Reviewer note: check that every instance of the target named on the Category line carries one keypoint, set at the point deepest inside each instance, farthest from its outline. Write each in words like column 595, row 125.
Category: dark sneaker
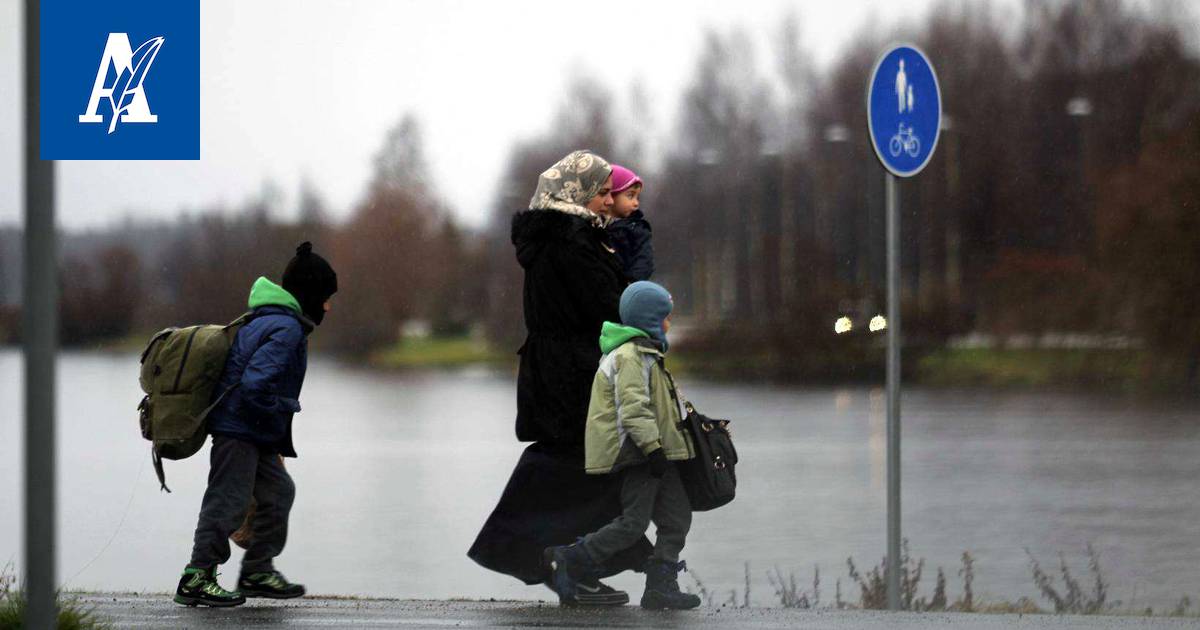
column 662, row 587
column 593, row 592
column 564, row 571
column 270, row 584
column 572, row 575
column 198, row 587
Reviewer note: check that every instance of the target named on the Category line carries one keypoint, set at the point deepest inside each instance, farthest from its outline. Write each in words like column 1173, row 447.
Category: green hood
column 267, row 293
column 613, row 335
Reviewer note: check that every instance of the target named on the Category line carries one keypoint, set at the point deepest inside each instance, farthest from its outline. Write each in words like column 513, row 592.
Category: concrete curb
column 158, row 611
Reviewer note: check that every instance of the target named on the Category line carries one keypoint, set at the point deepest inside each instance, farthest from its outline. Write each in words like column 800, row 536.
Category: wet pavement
column 158, row 611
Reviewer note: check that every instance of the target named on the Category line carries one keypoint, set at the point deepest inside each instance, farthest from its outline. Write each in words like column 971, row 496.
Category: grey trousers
column 239, row 471
column 645, row 499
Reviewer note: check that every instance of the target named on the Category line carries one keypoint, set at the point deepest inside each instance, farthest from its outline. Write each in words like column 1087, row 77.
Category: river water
column 397, row 471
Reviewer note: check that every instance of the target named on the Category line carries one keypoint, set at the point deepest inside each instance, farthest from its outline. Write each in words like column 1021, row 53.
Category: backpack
column 180, row 371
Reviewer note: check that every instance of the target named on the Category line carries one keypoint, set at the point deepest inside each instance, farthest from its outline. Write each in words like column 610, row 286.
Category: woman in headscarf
column 573, row 284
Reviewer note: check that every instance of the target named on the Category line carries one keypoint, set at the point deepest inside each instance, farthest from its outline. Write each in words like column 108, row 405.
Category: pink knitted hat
column 623, row 178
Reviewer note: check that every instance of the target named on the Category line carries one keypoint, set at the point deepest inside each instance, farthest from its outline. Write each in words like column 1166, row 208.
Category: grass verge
column 436, row 352
column 1120, row 370
column 71, row 614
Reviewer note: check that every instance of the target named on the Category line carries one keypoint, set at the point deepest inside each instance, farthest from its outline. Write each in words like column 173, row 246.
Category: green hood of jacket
column 267, row 293
column 613, row 335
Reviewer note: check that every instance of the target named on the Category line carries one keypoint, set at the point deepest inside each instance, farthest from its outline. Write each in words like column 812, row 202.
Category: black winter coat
column 573, row 284
column 631, row 237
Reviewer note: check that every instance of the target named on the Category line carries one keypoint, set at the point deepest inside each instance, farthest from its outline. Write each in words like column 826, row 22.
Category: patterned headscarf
column 570, row 184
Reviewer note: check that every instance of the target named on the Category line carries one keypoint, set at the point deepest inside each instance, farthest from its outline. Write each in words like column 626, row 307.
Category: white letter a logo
column 125, row 96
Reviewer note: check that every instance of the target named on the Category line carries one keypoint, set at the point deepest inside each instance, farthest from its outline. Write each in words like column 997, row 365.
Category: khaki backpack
column 180, row 370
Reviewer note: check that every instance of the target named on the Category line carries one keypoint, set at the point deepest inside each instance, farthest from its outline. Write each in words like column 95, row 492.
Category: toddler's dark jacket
column 632, row 239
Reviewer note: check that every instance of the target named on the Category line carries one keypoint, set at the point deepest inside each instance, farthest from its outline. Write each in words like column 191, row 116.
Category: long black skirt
column 550, row 500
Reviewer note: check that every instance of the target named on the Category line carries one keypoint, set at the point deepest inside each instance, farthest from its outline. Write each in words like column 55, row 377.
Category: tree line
column 1062, row 197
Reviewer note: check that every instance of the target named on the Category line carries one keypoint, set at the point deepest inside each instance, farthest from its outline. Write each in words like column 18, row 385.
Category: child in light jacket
column 632, row 431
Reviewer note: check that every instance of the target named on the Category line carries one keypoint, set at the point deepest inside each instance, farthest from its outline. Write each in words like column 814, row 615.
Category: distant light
column 837, row 132
column 947, row 122
column 770, row 149
column 877, row 324
column 1079, row 106
column 842, row 326
column 709, row 157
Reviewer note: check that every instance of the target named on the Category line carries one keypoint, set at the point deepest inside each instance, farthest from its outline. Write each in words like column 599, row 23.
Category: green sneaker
column 198, row 587
column 269, row 584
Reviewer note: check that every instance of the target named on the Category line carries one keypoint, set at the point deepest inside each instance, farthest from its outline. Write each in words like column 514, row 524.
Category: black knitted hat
column 311, row 280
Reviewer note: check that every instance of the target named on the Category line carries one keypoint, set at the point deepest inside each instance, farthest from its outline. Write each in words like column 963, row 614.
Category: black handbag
column 709, row 477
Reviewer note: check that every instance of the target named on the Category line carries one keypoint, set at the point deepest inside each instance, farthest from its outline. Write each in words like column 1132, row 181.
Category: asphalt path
column 158, row 611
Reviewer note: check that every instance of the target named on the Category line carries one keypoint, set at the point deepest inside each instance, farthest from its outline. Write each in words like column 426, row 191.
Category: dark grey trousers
column 238, row 472
column 645, row 499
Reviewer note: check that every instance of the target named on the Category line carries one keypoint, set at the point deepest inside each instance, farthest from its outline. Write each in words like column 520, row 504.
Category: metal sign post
column 893, row 392
column 39, row 332
column 904, row 111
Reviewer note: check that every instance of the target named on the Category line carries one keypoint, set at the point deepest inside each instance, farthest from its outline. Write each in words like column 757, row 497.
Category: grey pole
column 39, row 330
column 893, row 393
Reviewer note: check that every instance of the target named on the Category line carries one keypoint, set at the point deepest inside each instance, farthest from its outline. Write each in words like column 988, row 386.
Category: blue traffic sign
column 904, row 110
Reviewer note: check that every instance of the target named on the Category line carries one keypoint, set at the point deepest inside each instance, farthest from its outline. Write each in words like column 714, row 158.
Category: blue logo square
column 137, row 58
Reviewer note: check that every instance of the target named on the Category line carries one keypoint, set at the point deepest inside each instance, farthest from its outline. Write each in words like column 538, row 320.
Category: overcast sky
column 307, row 89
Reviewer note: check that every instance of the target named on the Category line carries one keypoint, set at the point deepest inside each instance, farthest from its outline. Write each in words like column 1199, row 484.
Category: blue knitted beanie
column 644, row 305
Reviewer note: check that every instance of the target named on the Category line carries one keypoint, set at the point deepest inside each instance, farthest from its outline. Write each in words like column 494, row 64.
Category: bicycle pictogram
column 904, row 140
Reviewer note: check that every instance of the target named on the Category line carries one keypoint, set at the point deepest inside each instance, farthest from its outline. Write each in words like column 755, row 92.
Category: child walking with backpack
column 251, row 426
column 629, row 231
column 633, row 431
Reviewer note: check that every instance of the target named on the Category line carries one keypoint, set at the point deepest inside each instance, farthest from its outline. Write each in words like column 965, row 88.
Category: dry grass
column 1072, row 600
column 7, row 577
column 790, row 595
column 71, row 614
column 1066, row 594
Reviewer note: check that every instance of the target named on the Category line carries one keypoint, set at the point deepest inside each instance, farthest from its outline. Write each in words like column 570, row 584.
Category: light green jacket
column 632, row 412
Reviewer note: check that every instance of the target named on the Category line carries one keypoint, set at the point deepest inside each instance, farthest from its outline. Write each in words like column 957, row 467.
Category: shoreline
column 1134, row 372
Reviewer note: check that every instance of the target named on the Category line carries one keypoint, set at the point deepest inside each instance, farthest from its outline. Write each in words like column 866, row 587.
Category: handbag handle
column 687, row 404
column 675, row 393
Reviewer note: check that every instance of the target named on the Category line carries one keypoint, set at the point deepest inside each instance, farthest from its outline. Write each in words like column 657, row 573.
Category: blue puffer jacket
column 265, row 369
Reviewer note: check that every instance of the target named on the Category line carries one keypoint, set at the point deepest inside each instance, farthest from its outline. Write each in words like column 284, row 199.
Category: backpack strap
column 158, row 470
column 243, row 319
column 208, row 409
